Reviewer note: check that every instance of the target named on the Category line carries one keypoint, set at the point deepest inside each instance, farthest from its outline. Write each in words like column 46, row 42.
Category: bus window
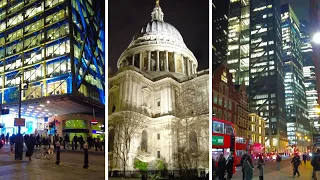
column 228, row 129
column 217, row 127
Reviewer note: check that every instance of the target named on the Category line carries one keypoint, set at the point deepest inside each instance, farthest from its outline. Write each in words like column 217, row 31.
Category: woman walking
column 260, row 167
column 248, row 168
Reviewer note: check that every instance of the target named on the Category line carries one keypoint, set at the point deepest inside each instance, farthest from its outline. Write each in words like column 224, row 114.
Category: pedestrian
column 243, row 159
column 260, row 167
column 315, row 162
column 12, row 141
column 37, row 140
column 30, row 146
column 81, row 142
column 221, row 166
column 7, row 138
column 89, row 140
column 248, row 168
column 278, row 159
column 296, row 162
column 304, row 157
column 230, row 162
column 66, row 141
column 75, row 140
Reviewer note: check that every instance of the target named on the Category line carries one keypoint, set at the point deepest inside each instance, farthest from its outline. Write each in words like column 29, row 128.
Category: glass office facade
column 51, row 44
column 296, row 102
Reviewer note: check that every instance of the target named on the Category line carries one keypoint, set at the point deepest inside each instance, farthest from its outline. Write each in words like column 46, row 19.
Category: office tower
column 220, row 12
column 296, row 103
column 309, row 73
column 55, row 49
column 254, row 57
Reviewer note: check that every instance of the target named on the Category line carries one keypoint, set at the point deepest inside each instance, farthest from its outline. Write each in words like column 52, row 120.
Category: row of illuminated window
column 222, row 101
column 19, row 18
column 51, row 51
column 34, row 74
column 36, row 40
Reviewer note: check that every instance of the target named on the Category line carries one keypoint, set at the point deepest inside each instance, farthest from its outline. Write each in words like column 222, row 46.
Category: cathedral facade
column 158, row 102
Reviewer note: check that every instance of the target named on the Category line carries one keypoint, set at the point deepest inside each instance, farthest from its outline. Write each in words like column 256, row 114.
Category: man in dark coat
column 230, row 162
column 243, row 159
column 30, row 146
column 75, row 140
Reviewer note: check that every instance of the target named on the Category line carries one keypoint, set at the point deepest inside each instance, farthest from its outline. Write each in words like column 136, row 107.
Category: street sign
column 94, row 122
column 217, row 140
column 19, row 122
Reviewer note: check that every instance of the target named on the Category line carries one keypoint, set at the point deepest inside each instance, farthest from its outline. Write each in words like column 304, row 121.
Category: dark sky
column 190, row 17
column 300, row 7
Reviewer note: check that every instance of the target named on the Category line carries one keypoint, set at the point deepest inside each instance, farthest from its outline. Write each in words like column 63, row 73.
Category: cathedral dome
column 159, row 46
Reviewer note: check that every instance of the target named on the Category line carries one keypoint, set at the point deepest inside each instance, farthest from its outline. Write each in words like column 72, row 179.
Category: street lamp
column 316, row 38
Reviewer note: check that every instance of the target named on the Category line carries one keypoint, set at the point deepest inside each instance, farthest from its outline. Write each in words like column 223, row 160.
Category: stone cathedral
column 154, row 70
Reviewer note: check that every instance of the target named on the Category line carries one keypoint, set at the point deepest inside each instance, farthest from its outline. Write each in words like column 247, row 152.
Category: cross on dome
column 157, row 14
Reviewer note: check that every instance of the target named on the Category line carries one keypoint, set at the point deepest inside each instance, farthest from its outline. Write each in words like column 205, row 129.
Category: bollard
column 86, row 159
column 58, row 152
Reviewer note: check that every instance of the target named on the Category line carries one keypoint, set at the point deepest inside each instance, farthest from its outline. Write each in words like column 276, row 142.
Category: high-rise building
column 220, row 12
column 296, row 102
column 254, row 57
column 309, row 73
column 57, row 48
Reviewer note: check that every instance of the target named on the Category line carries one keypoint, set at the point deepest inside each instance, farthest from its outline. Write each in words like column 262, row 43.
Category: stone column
column 141, row 61
column 167, row 61
column 149, row 60
column 183, row 68
column 158, row 60
column 192, row 68
column 187, row 70
column 133, row 60
column 175, row 63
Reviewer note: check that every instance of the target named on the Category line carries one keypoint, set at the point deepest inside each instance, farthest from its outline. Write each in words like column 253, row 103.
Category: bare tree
column 127, row 126
column 191, row 129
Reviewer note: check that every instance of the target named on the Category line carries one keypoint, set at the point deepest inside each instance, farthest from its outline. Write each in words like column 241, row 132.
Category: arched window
column 144, row 141
column 193, row 142
column 111, row 140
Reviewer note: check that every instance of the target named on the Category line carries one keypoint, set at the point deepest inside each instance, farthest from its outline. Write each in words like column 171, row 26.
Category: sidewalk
column 287, row 173
column 91, row 151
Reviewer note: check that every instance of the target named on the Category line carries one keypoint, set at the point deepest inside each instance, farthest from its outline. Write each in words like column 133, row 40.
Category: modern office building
column 220, row 12
column 309, row 73
column 254, row 57
column 55, row 48
column 296, row 102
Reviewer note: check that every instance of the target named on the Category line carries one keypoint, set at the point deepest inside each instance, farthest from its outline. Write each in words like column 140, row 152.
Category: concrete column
column 133, row 60
column 187, row 70
column 192, row 68
column 158, row 60
column 149, row 60
column 175, row 63
column 167, row 61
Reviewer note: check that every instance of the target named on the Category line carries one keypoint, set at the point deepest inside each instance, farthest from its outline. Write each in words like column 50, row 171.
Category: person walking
column 221, row 166
column 30, row 146
column 37, row 140
column 230, row 162
column 248, row 168
column 81, row 142
column 296, row 162
column 304, row 157
column 315, row 162
column 243, row 159
column 89, row 140
column 260, row 166
column 278, row 160
column 66, row 141
column 75, row 140
column 7, row 138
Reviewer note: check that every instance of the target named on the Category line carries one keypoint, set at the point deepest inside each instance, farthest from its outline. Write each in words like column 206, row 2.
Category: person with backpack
column 315, row 162
column 278, row 159
column 304, row 157
column 296, row 162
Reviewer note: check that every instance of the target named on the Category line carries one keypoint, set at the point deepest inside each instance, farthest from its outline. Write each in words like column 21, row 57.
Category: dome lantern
column 157, row 14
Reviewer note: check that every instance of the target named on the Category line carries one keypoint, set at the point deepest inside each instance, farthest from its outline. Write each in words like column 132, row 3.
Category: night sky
column 190, row 17
column 300, row 7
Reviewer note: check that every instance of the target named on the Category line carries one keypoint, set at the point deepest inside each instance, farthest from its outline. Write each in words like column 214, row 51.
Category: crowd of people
column 50, row 142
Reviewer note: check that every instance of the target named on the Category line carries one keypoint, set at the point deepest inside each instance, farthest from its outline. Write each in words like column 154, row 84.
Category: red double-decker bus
column 222, row 133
